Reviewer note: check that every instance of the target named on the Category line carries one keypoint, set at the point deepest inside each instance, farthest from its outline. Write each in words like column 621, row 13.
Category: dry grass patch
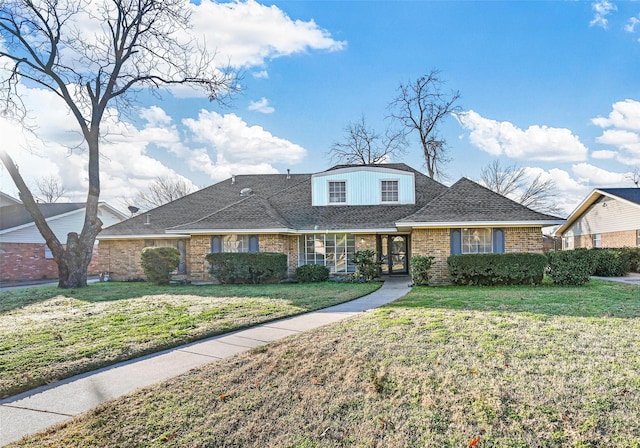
column 64, row 333
column 407, row 375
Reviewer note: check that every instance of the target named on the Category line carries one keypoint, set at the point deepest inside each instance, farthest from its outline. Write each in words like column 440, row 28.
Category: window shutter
column 253, row 243
column 456, row 241
column 498, row 241
column 216, row 245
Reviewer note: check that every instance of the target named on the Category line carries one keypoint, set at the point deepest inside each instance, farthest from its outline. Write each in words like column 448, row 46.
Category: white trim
column 158, row 236
column 228, row 231
column 397, row 201
column 457, row 224
column 351, row 169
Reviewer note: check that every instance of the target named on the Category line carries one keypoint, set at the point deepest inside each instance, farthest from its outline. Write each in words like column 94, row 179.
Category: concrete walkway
column 632, row 278
column 36, row 410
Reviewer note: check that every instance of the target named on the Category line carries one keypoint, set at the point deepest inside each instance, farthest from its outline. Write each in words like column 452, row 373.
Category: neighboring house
column 608, row 217
column 323, row 218
column 6, row 200
column 23, row 252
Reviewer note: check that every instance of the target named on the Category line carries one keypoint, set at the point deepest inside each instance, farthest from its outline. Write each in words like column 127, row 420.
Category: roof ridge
column 211, row 214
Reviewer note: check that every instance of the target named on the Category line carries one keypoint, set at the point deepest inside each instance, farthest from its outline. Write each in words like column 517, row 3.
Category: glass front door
column 393, row 254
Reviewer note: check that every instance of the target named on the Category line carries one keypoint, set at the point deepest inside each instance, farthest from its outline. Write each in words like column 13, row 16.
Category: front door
column 393, row 254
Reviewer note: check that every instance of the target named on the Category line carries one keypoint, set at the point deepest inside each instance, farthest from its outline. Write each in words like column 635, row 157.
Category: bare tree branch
column 160, row 192
column 421, row 107
column 635, row 177
column 50, row 189
column 365, row 146
column 512, row 181
column 96, row 55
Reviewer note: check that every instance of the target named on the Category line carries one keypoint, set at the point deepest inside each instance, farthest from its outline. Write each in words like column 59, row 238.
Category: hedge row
column 497, row 269
column 248, row 267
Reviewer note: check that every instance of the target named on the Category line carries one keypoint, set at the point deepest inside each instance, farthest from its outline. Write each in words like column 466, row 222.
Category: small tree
column 367, row 267
column 421, row 107
column 159, row 262
column 364, row 146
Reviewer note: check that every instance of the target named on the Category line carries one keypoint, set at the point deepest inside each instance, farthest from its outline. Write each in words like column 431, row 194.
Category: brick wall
column 627, row 238
column 283, row 244
column 27, row 261
column 121, row 258
column 523, row 239
column 435, row 243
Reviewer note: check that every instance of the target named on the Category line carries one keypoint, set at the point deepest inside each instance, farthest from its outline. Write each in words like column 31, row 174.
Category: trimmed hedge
column 611, row 262
column 367, row 268
column 159, row 262
column 420, row 267
column 248, row 267
column 571, row 267
column 497, row 269
column 312, row 273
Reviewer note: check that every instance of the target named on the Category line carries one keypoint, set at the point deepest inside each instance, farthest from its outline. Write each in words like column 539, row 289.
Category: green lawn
column 47, row 334
column 442, row 367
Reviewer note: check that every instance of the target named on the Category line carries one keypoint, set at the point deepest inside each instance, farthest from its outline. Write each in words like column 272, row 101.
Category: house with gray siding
column 607, row 217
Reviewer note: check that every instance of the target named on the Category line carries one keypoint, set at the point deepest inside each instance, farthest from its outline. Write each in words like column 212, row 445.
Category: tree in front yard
column 95, row 56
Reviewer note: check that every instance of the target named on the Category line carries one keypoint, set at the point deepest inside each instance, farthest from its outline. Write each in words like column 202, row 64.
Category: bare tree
column 161, row 191
column 420, row 107
column 365, row 146
column 132, row 44
column 512, row 181
column 634, row 177
column 49, row 189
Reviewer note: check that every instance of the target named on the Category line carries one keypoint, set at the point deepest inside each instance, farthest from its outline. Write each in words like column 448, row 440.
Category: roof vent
column 246, row 192
column 148, row 221
column 233, row 179
column 288, row 173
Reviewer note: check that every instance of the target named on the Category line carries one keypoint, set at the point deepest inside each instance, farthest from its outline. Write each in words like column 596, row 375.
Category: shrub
column 367, row 267
column 571, row 267
column 633, row 254
column 497, row 269
column 420, row 267
column 311, row 273
column 159, row 262
column 248, row 267
column 611, row 262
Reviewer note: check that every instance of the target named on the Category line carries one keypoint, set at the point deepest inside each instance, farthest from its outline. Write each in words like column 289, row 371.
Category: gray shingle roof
column 467, row 201
column 630, row 194
column 17, row 215
column 280, row 201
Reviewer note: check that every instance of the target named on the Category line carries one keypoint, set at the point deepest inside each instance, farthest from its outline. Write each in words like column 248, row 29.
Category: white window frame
column 333, row 250
column 596, row 240
column 567, row 243
column 382, row 191
column 476, row 238
column 329, row 201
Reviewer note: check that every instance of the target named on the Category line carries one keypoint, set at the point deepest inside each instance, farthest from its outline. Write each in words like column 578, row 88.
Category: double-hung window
column 477, row 241
column 337, row 192
column 597, row 240
column 234, row 243
column 389, row 191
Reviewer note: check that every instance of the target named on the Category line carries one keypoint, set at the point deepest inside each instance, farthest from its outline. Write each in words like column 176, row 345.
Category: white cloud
column 631, row 24
column 602, row 9
column 262, row 74
column 262, row 106
column 596, row 177
column 535, row 143
column 604, row 154
column 624, row 115
column 247, row 33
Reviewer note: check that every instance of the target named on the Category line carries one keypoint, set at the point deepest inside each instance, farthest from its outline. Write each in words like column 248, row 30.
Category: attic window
column 337, row 192
column 389, row 190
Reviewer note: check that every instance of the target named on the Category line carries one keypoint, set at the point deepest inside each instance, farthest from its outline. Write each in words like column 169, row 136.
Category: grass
column 443, row 367
column 47, row 334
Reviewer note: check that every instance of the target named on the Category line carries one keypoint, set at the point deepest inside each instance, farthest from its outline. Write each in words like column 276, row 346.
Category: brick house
column 607, row 217
column 322, row 218
column 23, row 252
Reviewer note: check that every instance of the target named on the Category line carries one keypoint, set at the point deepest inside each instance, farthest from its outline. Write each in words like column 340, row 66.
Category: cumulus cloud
column 247, row 33
column 596, row 177
column 262, row 106
column 602, row 9
column 604, row 154
column 262, row 74
column 631, row 24
column 622, row 130
column 534, row 143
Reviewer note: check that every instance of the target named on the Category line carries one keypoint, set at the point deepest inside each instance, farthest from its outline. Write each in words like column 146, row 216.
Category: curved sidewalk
column 36, row 410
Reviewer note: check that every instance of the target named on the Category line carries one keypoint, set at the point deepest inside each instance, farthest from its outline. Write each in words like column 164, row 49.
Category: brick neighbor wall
column 27, row 261
column 626, row 238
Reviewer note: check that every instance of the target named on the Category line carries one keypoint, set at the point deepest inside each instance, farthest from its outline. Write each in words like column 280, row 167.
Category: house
column 608, row 217
column 323, row 218
column 23, row 252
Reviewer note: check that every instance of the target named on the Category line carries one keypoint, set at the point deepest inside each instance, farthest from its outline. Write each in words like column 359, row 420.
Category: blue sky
column 550, row 86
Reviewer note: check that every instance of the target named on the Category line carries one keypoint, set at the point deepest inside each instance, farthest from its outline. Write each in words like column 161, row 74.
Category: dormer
column 363, row 185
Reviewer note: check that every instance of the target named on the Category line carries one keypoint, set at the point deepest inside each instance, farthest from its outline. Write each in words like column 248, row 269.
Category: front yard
column 443, row 367
column 47, row 334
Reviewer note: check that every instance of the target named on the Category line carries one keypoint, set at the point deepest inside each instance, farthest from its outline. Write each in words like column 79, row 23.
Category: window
column 234, row 243
column 597, row 240
column 47, row 253
column 567, row 243
column 389, row 190
column 331, row 250
column 477, row 241
column 337, row 192
column 638, row 237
